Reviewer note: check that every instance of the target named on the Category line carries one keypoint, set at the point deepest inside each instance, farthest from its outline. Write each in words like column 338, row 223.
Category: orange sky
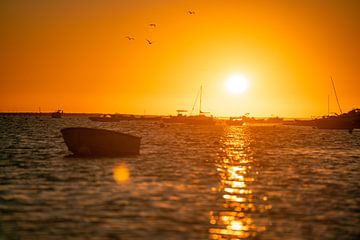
column 74, row 55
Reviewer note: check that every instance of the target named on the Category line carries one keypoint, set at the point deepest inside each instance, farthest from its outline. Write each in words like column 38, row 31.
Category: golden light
column 121, row 173
column 236, row 84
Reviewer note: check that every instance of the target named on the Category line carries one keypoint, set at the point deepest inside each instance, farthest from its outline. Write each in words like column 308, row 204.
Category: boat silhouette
column 57, row 114
column 349, row 120
column 235, row 121
column 201, row 119
column 104, row 118
column 83, row 141
column 123, row 117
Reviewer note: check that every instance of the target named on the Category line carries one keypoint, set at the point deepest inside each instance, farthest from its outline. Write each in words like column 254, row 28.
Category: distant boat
column 235, row 121
column 274, row 120
column 349, row 121
column 193, row 120
column 123, row 117
column 201, row 119
column 57, row 114
column 300, row 122
column 104, row 118
column 100, row 142
column 132, row 117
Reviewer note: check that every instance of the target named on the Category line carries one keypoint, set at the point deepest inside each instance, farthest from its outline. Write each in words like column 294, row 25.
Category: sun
column 236, row 84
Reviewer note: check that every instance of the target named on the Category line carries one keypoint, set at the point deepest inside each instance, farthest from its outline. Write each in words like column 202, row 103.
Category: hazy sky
column 73, row 55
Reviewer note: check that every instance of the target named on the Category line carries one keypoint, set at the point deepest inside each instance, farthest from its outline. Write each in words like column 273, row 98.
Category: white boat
column 235, row 121
column 83, row 141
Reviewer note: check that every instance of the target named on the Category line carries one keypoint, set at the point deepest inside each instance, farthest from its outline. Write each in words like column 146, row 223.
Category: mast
column 328, row 104
column 199, row 94
column 200, row 99
column 337, row 100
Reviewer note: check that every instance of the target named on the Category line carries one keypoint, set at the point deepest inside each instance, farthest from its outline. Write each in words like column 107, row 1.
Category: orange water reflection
column 240, row 205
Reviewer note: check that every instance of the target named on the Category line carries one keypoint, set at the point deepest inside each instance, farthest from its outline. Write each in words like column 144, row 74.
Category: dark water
column 189, row 182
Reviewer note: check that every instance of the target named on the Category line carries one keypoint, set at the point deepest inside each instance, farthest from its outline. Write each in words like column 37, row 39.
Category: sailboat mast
column 337, row 100
column 200, row 99
column 328, row 105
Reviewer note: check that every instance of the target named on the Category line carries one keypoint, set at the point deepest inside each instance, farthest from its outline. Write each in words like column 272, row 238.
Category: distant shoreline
column 69, row 114
column 47, row 114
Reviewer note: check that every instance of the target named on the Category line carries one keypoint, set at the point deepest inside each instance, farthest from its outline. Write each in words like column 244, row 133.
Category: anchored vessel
column 104, row 118
column 57, row 114
column 100, row 142
column 200, row 119
column 235, row 121
column 349, row 120
column 122, row 117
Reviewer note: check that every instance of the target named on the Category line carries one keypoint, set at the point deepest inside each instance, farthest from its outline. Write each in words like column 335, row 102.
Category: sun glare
column 236, row 84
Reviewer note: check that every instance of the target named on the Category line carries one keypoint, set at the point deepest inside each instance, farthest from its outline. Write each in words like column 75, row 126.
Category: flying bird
column 130, row 38
column 191, row 12
column 149, row 42
column 152, row 25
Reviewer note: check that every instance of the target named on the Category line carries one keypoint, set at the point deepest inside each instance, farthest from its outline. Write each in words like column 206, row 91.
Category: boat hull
column 99, row 142
column 234, row 123
column 56, row 115
column 104, row 119
column 191, row 120
column 335, row 124
column 349, row 120
column 123, row 118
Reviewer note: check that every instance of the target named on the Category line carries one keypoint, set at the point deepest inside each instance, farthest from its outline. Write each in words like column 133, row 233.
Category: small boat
column 57, row 114
column 200, row 119
column 235, row 121
column 123, row 117
column 300, row 122
column 132, row 117
column 100, row 142
column 105, row 118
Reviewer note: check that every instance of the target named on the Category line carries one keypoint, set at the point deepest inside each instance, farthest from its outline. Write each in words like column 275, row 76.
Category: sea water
column 189, row 182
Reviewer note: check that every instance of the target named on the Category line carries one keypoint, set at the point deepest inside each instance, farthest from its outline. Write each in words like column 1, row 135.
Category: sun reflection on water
column 240, row 204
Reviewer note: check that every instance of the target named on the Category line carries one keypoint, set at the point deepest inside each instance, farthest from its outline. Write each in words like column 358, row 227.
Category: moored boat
column 104, row 118
column 123, row 117
column 83, row 141
column 201, row 119
column 57, row 114
column 235, row 121
column 349, row 121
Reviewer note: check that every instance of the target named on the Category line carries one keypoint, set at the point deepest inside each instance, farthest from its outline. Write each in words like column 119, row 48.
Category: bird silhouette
column 191, row 12
column 130, row 38
column 152, row 25
column 149, row 42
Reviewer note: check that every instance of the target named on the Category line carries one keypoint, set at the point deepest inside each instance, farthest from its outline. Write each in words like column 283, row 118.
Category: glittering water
column 189, row 182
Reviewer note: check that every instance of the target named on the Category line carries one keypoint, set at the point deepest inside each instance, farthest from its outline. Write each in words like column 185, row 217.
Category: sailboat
column 201, row 119
column 349, row 120
column 57, row 114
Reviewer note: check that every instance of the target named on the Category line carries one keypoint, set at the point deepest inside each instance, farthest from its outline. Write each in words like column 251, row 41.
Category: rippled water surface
column 189, row 182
